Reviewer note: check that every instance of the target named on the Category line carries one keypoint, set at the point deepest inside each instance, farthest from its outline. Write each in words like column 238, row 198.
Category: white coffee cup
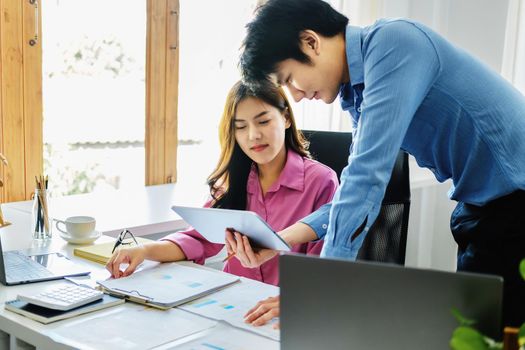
column 77, row 226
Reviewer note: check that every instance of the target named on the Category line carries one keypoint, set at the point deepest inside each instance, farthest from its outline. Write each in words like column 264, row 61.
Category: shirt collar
column 354, row 60
column 292, row 175
column 354, row 54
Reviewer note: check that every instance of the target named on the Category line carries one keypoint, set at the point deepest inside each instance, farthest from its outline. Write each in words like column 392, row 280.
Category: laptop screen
column 336, row 304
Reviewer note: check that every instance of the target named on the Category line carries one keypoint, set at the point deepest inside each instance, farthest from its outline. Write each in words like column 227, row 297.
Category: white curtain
column 513, row 68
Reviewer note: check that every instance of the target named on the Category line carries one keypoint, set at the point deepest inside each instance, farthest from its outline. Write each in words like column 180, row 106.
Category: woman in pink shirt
column 264, row 167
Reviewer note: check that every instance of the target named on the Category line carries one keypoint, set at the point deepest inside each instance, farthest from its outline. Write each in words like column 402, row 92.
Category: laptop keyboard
column 20, row 267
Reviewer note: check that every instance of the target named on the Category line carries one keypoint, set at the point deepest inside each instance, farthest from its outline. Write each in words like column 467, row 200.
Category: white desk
column 144, row 210
column 19, row 331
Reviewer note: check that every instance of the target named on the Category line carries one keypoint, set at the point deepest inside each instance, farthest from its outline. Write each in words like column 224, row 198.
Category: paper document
column 225, row 337
column 232, row 303
column 168, row 285
column 130, row 327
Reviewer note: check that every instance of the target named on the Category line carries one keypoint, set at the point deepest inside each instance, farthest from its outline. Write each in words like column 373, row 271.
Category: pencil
column 231, row 230
column 228, row 257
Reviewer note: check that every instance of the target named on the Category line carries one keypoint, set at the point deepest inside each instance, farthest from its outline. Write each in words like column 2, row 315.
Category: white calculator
column 63, row 298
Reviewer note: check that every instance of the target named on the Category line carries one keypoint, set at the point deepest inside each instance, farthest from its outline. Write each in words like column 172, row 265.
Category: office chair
column 387, row 238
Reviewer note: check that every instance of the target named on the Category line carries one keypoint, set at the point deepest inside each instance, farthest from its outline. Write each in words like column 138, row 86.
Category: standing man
column 408, row 88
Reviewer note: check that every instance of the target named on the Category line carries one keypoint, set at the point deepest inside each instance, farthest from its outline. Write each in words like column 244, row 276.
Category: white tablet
column 212, row 224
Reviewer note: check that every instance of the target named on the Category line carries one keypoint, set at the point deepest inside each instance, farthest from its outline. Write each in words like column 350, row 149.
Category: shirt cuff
column 191, row 247
column 338, row 251
column 318, row 220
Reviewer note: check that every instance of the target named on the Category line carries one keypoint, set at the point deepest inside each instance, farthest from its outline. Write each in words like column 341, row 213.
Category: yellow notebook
column 101, row 253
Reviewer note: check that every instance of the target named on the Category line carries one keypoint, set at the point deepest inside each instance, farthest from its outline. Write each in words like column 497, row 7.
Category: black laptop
column 18, row 268
column 337, row 304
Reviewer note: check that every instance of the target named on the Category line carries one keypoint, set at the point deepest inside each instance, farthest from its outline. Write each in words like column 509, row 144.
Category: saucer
column 82, row 240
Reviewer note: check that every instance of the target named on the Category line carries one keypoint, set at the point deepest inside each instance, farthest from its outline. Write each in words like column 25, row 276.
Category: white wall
column 476, row 25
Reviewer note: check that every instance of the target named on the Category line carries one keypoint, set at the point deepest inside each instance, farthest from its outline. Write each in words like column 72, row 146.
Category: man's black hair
column 274, row 34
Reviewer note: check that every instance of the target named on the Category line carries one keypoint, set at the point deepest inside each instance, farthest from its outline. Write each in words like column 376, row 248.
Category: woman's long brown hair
column 229, row 179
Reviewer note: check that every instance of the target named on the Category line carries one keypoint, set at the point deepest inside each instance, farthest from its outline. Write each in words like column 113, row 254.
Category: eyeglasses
column 121, row 237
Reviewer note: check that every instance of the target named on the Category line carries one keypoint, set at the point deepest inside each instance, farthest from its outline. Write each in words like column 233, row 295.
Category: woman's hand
column 132, row 256
column 238, row 244
column 264, row 312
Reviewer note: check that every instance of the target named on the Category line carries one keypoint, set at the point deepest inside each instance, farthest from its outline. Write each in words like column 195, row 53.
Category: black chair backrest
column 386, row 239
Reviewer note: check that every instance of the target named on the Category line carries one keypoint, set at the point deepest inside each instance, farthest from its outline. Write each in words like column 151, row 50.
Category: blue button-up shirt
column 411, row 89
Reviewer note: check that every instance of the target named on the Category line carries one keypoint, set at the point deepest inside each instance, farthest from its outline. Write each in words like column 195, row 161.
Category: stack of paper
column 101, row 253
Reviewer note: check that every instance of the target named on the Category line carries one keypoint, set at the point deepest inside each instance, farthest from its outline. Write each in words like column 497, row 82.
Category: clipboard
column 213, row 222
column 167, row 285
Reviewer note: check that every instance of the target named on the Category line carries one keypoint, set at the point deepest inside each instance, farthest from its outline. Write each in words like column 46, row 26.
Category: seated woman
column 264, row 167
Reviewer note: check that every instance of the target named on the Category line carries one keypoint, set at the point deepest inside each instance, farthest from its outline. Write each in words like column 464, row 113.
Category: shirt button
column 366, row 229
column 359, row 109
column 325, row 226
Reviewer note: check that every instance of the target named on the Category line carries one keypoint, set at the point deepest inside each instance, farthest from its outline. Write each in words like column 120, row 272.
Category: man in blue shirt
column 408, row 88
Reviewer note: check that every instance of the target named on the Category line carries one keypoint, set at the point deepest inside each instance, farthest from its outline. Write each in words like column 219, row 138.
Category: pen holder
column 41, row 221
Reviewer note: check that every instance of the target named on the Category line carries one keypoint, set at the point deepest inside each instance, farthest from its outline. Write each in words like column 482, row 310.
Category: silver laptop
column 18, row 268
column 336, row 304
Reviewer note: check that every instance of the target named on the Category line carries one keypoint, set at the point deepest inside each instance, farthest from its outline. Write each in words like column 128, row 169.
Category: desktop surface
column 143, row 327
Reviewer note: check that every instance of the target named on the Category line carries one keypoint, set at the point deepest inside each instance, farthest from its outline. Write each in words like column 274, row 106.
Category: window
column 209, row 42
column 94, row 94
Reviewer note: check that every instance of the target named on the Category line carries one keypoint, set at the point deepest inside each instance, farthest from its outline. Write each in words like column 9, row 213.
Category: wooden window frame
column 20, row 98
column 21, row 116
column 162, row 82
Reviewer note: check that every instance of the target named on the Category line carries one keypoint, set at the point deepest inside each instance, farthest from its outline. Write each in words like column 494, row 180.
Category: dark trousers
column 491, row 240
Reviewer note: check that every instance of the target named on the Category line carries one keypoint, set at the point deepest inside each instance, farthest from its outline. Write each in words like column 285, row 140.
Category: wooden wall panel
column 33, row 118
column 21, row 98
column 155, row 91
column 2, row 196
column 12, row 99
column 172, row 91
column 161, row 90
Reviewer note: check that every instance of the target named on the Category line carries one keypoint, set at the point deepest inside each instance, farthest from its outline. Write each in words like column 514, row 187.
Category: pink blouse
column 303, row 186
